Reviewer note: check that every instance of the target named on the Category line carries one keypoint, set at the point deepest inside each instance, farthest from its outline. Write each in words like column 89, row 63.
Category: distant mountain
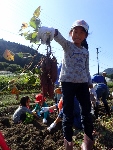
column 108, row 71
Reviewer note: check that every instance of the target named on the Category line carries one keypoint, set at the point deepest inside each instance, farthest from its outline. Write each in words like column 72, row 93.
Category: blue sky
column 61, row 14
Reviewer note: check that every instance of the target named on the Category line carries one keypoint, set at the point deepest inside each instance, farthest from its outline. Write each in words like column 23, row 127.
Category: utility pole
column 98, row 59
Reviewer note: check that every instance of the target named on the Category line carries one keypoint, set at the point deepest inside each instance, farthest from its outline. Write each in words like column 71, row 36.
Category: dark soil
column 35, row 136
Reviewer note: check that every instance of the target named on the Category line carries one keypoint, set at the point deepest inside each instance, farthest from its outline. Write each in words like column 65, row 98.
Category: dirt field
column 30, row 136
column 36, row 137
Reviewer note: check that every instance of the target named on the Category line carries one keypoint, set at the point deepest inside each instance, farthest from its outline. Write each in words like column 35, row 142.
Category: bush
column 110, row 84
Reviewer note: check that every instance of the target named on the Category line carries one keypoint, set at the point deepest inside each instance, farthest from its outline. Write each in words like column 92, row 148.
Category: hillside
column 22, row 54
column 109, row 71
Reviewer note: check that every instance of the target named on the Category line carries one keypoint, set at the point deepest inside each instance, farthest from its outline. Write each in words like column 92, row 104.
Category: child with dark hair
column 75, row 79
column 21, row 112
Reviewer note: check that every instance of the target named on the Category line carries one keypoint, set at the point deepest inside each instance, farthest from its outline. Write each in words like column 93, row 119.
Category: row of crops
column 25, row 82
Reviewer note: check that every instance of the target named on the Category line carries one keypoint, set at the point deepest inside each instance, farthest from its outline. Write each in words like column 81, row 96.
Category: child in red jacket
column 40, row 102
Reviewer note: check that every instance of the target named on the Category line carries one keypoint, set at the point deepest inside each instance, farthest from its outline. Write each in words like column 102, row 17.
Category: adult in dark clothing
column 102, row 92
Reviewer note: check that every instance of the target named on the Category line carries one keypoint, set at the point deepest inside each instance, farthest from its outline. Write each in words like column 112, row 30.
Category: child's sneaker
column 44, row 121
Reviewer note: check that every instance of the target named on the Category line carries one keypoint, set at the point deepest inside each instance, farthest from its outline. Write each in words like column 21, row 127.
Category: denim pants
column 81, row 91
column 102, row 93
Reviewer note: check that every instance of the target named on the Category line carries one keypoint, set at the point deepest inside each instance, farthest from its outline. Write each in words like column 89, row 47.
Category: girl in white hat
column 75, row 78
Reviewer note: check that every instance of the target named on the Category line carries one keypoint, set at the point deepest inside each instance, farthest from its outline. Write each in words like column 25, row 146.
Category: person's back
column 19, row 111
column 102, row 93
column 22, row 109
column 101, row 90
column 98, row 79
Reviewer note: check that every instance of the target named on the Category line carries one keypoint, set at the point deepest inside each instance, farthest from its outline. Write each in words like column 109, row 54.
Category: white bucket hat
column 81, row 23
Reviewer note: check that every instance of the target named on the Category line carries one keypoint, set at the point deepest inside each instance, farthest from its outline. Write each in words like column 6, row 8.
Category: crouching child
column 23, row 113
column 40, row 102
